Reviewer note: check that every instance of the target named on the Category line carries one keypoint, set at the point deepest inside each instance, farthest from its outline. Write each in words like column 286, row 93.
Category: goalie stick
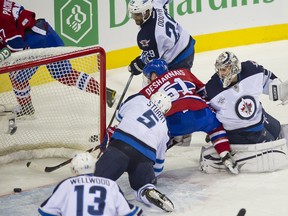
column 49, row 169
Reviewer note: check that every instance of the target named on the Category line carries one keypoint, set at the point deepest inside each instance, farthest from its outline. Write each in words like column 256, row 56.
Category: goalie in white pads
column 86, row 194
column 7, row 119
column 139, row 142
column 251, row 158
column 234, row 92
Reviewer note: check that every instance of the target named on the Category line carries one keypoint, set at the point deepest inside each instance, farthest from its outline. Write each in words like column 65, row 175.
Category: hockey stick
column 53, row 168
column 118, row 105
column 121, row 99
column 48, row 169
column 94, row 138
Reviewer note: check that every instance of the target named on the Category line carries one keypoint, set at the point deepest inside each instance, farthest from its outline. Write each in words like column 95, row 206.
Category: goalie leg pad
column 251, row 158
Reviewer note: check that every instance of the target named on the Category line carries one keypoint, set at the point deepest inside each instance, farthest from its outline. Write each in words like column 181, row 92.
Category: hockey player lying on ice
column 139, row 142
column 258, row 141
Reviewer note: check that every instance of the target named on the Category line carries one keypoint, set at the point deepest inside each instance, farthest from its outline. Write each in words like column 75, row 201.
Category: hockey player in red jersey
column 189, row 112
column 20, row 30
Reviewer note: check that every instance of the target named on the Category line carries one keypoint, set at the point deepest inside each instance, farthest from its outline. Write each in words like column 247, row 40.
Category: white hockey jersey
column 239, row 106
column 87, row 195
column 143, row 126
column 162, row 37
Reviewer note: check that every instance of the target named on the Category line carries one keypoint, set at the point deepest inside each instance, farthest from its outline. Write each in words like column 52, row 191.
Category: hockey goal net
column 58, row 96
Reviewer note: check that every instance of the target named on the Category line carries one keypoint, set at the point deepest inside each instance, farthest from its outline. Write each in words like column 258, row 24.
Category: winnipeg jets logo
column 221, row 100
column 145, row 43
column 245, row 107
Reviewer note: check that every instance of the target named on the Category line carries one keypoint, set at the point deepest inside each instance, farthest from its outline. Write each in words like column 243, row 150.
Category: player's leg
column 112, row 163
column 272, row 125
column 63, row 71
column 22, row 88
column 141, row 176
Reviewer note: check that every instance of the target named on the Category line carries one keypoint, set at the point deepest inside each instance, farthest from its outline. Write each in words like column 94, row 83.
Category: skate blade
column 161, row 201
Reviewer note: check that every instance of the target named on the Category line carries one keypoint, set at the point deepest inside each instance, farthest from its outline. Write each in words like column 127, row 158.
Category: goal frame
column 60, row 57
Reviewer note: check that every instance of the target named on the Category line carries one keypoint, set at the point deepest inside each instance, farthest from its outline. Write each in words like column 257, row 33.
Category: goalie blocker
column 278, row 91
column 251, row 158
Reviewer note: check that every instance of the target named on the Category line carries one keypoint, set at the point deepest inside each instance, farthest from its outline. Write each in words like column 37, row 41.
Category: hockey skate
column 110, row 93
column 158, row 199
column 26, row 111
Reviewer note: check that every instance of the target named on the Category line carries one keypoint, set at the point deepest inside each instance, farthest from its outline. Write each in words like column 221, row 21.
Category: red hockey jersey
column 182, row 86
column 14, row 20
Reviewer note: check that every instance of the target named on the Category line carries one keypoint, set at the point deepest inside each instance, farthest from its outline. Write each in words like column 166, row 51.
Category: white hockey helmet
column 224, row 61
column 82, row 163
column 140, row 6
column 162, row 101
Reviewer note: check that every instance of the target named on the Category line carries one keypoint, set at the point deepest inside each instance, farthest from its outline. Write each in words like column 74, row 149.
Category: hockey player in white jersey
column 86, row 194
column 139, row 142
column 234, row 92
column 160, row 36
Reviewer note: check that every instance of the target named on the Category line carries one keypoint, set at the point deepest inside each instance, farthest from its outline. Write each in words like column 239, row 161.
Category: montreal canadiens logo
column 245, row 107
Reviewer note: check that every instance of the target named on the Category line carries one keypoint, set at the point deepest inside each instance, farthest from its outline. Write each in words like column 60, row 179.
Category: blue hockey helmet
column 158, row 66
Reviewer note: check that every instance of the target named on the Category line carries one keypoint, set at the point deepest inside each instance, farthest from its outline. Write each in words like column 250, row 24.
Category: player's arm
column 25, row 20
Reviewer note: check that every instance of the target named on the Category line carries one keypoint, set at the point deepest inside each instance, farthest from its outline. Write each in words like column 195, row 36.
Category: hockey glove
column 229, row 162
column 278, row 91
column 136, row 66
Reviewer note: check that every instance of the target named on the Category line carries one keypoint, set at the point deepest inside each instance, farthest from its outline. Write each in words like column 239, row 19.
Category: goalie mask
column 227, row 67
column 82, row 163
column 138, row 10
column 162, row 101
column 157, row 66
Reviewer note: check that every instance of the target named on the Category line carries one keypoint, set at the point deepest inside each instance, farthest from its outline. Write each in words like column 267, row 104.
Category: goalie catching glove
column 229, row 162
column 136, row 66
column 278, row 91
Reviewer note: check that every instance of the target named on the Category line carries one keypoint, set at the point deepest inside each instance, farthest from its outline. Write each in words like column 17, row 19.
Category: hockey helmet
column 227, row 61
column 162, row 101
column 140, row 7
column 82, row 163
column 158, row 66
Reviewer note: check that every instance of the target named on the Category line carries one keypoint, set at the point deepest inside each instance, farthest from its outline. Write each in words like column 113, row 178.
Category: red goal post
column 67, row 88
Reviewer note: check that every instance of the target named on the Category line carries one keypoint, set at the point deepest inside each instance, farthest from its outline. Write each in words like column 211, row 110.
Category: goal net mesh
column 59, row 100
